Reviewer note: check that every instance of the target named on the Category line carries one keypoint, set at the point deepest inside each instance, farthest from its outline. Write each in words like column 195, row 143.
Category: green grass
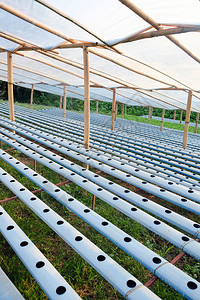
column 35, row 106
column 158, row 122
column 80, row 275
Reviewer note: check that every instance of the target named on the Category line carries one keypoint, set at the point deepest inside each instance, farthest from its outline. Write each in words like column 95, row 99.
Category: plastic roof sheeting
column 109, row 22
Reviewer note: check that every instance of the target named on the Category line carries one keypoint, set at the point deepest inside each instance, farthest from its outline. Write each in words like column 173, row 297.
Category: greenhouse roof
column 47, row 38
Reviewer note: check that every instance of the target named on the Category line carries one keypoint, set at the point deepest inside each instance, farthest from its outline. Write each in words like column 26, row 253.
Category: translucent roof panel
column 144, row 65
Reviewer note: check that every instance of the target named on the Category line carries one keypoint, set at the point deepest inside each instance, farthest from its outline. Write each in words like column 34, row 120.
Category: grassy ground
column 158, row 122
column 35, row 106
column 83, row 278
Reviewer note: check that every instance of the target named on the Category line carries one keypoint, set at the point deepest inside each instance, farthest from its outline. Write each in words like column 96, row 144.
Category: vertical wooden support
column 31, row 100
column 187, row 119
column 163, row 114
column 125, row 109
column 181, row 116
column 35, row 165
column 116, row 110
column 97, row 106
column 64, row 101
column 113, row 109
column 86, row 98
column 174, row 114
column 196, row 125
column 93, row 202
column 122, row 110
column 60, row 102
column 10, row 86
column 150, row 114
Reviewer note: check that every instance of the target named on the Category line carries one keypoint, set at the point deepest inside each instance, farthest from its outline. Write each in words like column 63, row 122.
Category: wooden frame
column 86, row 98
column 187, row 119
column 113, row 109
column 10, row 86
column 31, row 100
column 64, row 100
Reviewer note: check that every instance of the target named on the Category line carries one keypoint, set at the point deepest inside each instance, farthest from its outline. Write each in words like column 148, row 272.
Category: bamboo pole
column 10, row 86
column 152, row 22
column 31, row 101
column 196, row 125
column 122, row 110
column 97, row 106
column 116, row 110
column 60, row 102
column 113, row 109
column 150, row 114
column 86, row 98
column 162, row 121
column 174, row 114
column 160, row 32
column 64, row 101
column 187, row 119
column 181, row 116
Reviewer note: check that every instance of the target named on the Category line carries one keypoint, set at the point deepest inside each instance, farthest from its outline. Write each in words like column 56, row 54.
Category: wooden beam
column 162, row 121
column 181, row 116
column 174, row 114
column 150, row 114
column 187, row 119
column 125, row 109
column 116, row 110
column 60, row 102
column 86, row 98
column 196, row 125
column 31, row 100
column 97, row 106
column 64, row 101
column 160, row 32
column 10, row 86
column 122, row 110
column 113, row 109
column 153, row 23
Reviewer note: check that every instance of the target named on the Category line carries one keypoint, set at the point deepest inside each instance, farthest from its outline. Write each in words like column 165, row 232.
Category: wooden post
column 122, row 110
column 116, row 109
column 181, row 116
column 86, row 98
column 150, row 114
column 60, row 102
column 64, row 101
column 10, row 86
column 187, row 119
column 97, row 106
column 174, row 114
column 113, row 109
column 163, row 114
column 31, row 100
column 125, row 109
column 196, row 125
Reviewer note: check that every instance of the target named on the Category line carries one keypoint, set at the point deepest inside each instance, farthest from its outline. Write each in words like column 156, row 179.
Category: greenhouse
column 99, row 189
